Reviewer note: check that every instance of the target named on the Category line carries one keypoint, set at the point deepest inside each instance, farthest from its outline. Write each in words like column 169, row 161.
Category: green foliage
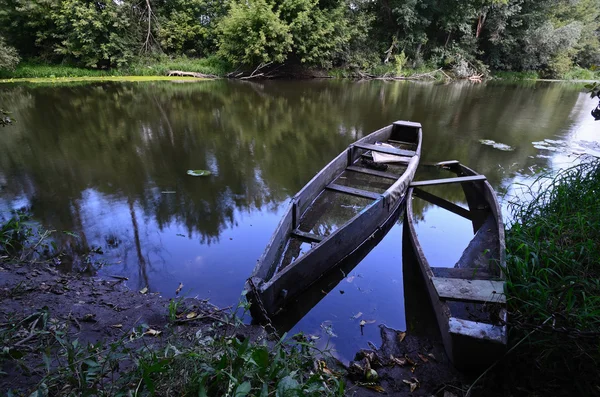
column 189, row 26
column 253, row 33
column 553, row 277
column 318, row 35
column 399, row 62
column 469, row 36
column 93, row 35
column 14, row 232
column 139, row 67
column 9, row 58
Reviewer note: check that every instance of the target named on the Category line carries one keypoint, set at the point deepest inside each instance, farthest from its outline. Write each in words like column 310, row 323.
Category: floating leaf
column 328, row 328
column 191, row 315
column 178, row 290
column 401, row 336
column 199, row 172
column 152, row 332
column 357, row 315
column 144, row 290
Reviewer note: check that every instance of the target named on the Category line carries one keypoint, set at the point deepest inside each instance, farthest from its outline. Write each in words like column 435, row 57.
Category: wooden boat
column 340, row 208
column 468, row 299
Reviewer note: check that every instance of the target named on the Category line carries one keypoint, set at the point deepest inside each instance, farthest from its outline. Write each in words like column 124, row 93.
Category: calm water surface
column 109, row 162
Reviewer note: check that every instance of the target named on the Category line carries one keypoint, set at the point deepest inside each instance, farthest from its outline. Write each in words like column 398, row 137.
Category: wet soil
column 93, row 309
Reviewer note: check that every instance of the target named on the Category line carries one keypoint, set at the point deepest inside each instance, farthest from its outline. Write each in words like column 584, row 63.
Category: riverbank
column 147, row 70
column 73, row 334
column 553, row 287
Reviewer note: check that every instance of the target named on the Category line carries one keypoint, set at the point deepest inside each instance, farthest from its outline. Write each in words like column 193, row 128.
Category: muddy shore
column 93, row 309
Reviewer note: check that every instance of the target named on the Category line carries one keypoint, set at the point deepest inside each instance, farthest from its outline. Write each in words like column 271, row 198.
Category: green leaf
column 243, row 389
column 261, row 358
column 41, row 391
column 199, row 172
column 287, row 386
column 265, row 390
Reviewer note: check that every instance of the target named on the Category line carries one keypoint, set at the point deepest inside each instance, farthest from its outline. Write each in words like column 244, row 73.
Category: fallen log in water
column 191, row 74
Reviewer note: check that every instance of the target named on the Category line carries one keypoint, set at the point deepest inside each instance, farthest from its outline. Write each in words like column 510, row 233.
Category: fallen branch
column 191, row 74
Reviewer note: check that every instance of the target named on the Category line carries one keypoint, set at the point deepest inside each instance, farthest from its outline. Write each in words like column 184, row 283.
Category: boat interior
column 348, row 193
column 477, row 272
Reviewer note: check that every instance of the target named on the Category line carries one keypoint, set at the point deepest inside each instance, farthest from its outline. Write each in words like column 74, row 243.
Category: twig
column 119, row 277
column 187, row 320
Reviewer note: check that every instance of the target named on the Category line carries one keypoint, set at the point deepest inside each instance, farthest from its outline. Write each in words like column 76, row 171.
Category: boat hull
column 269, row 288
column 470, row 345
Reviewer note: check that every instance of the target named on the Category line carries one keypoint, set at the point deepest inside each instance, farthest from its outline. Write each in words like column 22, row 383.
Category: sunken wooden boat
column 346, row 203
column 468, row 299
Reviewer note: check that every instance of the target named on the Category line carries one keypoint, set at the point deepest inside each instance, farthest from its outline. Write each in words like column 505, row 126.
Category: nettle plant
column 594, row 90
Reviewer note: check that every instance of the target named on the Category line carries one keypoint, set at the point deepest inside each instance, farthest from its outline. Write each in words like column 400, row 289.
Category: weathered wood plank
column 475, row 330
column 382, row 174
column 309, row 193
column 440, row 202
column 384, row 149
column 353, row 191
column 402, row 142
column 441, row 163
column 464, row 273
column 469, row 290
column 307, row 236
column 405, row 123
column 445, row 181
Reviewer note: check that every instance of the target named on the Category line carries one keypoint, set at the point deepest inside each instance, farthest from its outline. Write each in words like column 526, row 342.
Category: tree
column 253, row 33
column 95, row 34
column 9, row 58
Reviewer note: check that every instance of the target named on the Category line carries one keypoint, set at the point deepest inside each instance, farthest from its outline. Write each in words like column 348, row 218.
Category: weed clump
column 553, row 281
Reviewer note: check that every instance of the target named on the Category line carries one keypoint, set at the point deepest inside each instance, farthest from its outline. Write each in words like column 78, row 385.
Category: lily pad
column 199, row 172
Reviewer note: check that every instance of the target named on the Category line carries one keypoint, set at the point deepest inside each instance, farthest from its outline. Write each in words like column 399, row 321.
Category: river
column 108, row 161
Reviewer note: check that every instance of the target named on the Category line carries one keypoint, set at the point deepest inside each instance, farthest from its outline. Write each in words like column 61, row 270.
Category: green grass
column 578, row 73
column 141, row 67
column 515, row 76
column 62, row 80
column 553, row 285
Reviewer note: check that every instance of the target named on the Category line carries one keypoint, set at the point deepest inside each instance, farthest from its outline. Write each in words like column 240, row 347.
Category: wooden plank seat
column 469, row 290
column 477, row 330
column 445, row 181
column 464, row 273
column 445, row 204
column 313, row 238
column 385, row 149
column 353, row 191
column 382, row 174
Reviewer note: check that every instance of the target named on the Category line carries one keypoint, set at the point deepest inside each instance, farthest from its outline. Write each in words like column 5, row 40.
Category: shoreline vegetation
column 214, row 68
column 552, row 271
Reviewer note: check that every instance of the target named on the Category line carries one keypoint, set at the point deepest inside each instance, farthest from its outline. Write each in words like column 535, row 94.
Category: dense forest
column 464, row 36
